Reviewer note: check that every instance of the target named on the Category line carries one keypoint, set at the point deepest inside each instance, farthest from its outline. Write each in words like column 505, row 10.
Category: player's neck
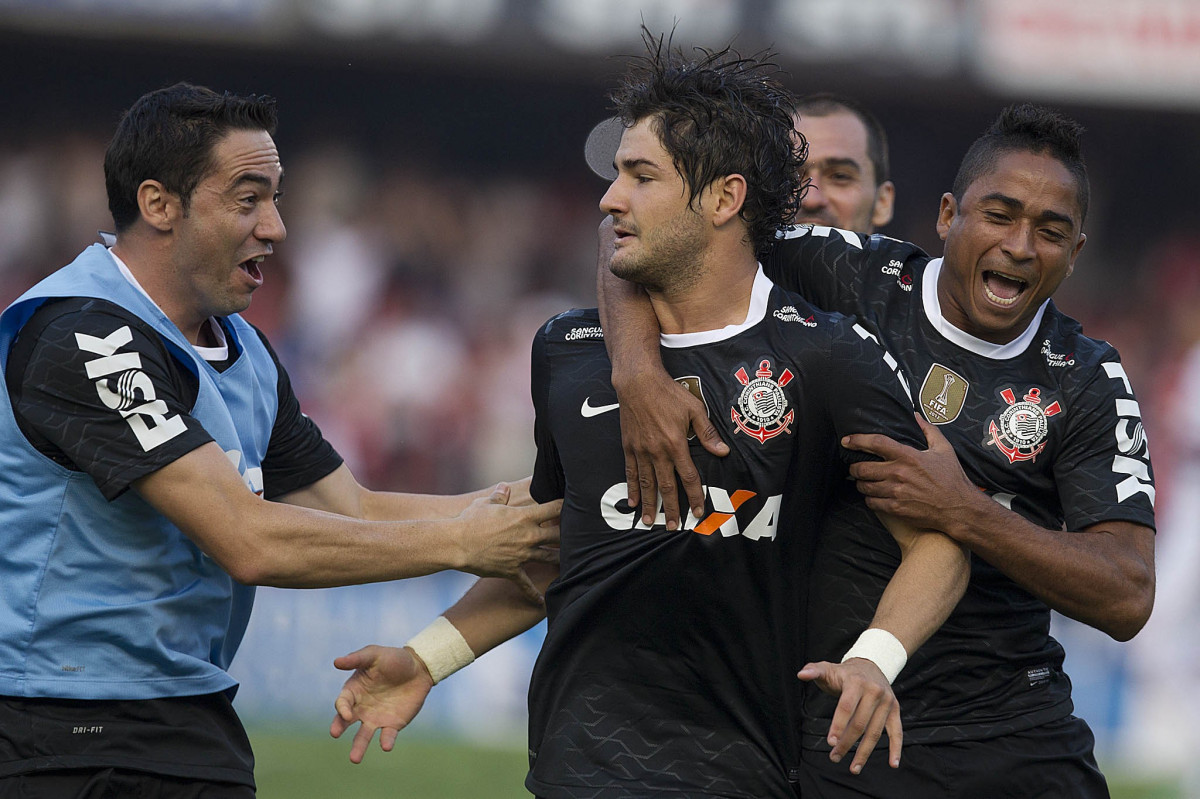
column 721, row 297
column 145, row 265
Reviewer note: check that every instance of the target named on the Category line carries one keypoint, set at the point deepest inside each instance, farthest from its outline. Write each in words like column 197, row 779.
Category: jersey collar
column 933, row 312
column 759, row 295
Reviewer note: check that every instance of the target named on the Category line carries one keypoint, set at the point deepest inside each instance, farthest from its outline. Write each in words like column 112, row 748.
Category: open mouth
column 1003, row 290
column 251, row 267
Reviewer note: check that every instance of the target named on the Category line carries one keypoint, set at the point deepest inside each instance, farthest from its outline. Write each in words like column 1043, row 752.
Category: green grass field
column 311, row 766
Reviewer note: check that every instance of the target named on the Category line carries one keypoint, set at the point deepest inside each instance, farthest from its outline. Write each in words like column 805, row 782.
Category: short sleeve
column 548, row 482
column 1103, row 470
column 96, row 384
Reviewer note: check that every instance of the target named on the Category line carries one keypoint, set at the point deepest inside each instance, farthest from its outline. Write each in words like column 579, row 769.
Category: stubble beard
column 670, row 260
column 225, row 299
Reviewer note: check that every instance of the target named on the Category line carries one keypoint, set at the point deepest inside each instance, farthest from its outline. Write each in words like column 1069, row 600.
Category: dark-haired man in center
column 847, row 186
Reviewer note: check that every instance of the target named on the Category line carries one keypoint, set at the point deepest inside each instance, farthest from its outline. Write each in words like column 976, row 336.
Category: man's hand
column 657, row 415
column 385, row 692
column 866, row 709
column 927, row 488
column 499, row 538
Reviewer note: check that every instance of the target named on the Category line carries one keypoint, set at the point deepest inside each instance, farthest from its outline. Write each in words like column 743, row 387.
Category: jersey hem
column 43, row 688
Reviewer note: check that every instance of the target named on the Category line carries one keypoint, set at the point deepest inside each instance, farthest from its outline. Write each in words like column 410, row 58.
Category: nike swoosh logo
column 588, row 410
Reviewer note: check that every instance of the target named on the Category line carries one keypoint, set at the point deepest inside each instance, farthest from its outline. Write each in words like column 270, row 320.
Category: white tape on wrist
column 442, row 648
column 881, row 648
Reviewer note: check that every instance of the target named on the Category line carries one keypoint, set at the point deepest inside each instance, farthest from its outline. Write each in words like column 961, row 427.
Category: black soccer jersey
column 670, row 659
column 1047, row 424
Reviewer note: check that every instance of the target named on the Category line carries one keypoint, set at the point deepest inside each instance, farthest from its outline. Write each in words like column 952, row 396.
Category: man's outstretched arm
column 295, row 545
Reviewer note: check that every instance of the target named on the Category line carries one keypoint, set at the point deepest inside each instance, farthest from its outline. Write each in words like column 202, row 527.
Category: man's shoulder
column 1062, row 342
column 875, row 244
column 796, row 316
column 66, row 319
column 81, row 310
column 575, row 325
column 790, row 310
column 845, row 269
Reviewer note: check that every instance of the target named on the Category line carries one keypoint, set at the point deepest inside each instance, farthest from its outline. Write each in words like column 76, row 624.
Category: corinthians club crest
column 763, row 404
column 1020, row 432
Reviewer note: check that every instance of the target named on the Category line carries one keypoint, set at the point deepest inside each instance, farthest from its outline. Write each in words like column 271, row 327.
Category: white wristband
column 881, row 648
column 442, row 648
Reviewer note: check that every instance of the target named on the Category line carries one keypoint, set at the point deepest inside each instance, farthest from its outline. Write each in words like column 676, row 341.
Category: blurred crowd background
column 439, row 210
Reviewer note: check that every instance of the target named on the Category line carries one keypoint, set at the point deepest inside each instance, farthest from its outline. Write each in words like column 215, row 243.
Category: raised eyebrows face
column 659, row 235
column 1010, row 243
column 231, row 225
column 843, row 192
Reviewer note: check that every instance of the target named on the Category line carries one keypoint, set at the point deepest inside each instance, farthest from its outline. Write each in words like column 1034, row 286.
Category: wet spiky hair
column 721, row 114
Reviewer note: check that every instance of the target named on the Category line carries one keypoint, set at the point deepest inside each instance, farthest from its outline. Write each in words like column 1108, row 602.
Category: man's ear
column 885, row 204
column 159, row 207
column 946, row 213
column 728, row 197
column 1075, row 253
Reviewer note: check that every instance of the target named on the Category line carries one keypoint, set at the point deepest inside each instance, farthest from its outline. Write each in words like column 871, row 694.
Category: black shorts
column 194, row 738
column 1051, row 761
column 113, row 783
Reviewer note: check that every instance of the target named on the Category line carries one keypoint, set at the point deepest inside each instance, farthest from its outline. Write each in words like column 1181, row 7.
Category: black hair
column 169, row 135
column 1027, row 128
column 721, row 114
column 827, row 103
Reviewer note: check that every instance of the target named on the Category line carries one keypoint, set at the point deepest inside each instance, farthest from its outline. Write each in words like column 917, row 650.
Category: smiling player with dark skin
column 1010, row 242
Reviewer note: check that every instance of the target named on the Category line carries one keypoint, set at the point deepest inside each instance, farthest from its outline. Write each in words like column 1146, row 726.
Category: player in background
column 669, row 662
column 155, row 466
column 847, row 170
column 1037, row 462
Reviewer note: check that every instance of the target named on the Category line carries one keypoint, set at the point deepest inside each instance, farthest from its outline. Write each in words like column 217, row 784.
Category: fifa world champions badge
column 1020, row 432
column 943, row 394
column 763, row 404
